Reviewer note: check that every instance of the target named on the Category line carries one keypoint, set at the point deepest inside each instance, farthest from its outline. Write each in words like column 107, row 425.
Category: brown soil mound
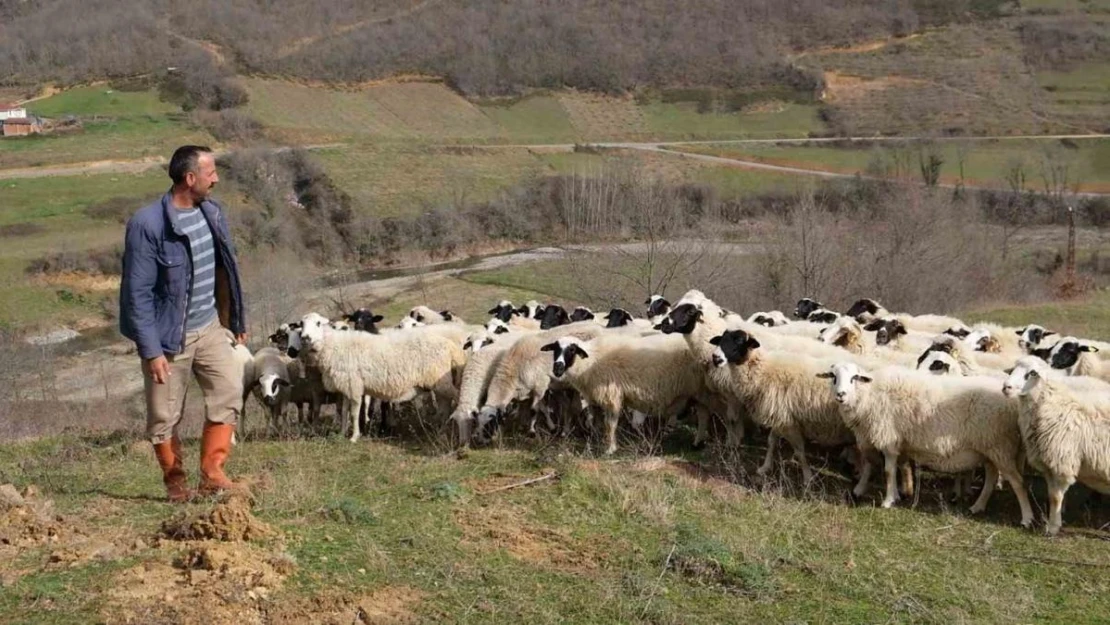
column 392, row 605
column 230, row 520
column 26, row 521
column 503, row 526
column 209, row 583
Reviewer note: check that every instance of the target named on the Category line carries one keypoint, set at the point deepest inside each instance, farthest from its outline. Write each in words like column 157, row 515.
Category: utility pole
column 1069, row 285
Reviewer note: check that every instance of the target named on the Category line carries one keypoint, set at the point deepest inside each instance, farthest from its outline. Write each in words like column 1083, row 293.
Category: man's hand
column 241, row 338
column 159, row 369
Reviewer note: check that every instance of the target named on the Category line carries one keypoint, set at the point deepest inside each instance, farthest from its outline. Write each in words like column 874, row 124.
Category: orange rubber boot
column 215, row 445
column 169, row 458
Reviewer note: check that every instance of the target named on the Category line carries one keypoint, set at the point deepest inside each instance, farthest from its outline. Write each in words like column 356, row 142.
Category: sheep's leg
column 638, row 419
column 702, row 434
column 1057, row 488
column 1013, row 476
column 890, row 468
column 611, row 417
column 866, row 467
column 353, row 411
column 798, row 443
column 906, row 469
column 734, row 425
column 769, row 459
column 445, row 395
column 988, row 488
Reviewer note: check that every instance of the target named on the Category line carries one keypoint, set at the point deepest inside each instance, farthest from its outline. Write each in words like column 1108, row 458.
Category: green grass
column 41, row 200
column 986, row 162
column 101, row 101
column 609, row 541
column 682, row 121
column 535, row 119
column 125, row 138
column 1088, row 317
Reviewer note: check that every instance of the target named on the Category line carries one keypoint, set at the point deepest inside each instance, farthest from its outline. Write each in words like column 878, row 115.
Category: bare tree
column 929, row 163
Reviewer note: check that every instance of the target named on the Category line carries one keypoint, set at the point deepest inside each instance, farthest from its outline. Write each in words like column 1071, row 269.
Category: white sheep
column 866, row 310
column 523, row 374
column 949, row 423
column 1077, row 358
column 428, row 316
column 392, row 367
column 769, row 319
column 782, row 392
column 486, row 352
column 271, row 383
column 657, row 308
column 1066, row 434
column 407, row 323
column 653, row 375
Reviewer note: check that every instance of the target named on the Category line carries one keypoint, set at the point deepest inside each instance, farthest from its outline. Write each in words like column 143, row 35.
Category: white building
column 11, row 111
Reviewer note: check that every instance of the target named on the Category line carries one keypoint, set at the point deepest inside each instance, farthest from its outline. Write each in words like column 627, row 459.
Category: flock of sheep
column 904, row 390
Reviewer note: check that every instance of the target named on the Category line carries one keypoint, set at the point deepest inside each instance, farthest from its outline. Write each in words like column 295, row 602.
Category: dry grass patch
column 505, row 526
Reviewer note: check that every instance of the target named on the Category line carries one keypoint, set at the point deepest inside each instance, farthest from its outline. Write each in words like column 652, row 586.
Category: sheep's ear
column 1088, row 348
column 827, row 375
column 419, row 318
column 281, row 382
column 377, row 319
column 1008, row 371
column 716, row 340
column 647, row 301
column 494, row 311
column 900, row 329
column 581, row 352
column 752, row 343
column 273, row 337
column 1048, row 332
column 550, row 347
column 487, row 342
column 658, row 326
column 871, row 326
column 1018, row 332
column 501, row 330
column 446, row 314
column 467, row 345
column 861, row 378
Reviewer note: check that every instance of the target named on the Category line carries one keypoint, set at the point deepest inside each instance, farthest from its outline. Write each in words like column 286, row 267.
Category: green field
column 120, row 125
column 985, row 162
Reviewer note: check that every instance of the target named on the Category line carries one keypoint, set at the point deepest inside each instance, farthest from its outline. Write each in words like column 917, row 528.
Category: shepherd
column 181, row 302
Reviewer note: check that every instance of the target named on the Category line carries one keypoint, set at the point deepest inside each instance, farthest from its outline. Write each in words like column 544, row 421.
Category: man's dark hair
column 184, row 160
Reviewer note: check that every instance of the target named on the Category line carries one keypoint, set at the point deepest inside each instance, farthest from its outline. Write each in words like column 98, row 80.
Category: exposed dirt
column 230, row 520
column 843, row 87
column 391, row 605
column 504, row 526
column 207, row 583
column 26, row 520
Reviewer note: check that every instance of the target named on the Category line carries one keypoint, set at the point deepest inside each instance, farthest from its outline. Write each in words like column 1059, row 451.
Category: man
column 181, row 302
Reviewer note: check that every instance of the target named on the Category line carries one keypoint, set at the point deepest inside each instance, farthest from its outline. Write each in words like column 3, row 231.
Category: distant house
column 11, row 111
column 18, row 126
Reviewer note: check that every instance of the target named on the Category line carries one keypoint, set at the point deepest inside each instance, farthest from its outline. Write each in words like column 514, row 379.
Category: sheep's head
column 657, row 306
column 1066, row 353
column 845, row 376
column 734, row 347
column 939, row 363
column 408, row 322
column 271, row 385
column 806, row 306
column 496, row 326
column 424, row 314
column 960, row 332
column 553, row 316
column 364, row 320
column 313, row 327
column 823, row 315
column 531, row 310
column 1025, row 375
column 939, row 345
column 503, row 310
column 487, row 420
column 581, row 313
column 863, row 309
column 887, row 330
column 565, row 351
column 475, row 342
column 618, row 318
column 682, row 320
column 842, row 333
column 1031, row 336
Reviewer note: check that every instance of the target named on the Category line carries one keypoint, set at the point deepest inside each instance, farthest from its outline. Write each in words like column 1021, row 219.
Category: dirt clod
column 230, row 520
column 25, row 521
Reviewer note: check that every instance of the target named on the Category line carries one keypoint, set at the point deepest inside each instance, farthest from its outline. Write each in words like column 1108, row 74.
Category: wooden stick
column 544, row 477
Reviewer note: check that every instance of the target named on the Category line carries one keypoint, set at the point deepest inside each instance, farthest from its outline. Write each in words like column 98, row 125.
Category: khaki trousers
column 208, row 355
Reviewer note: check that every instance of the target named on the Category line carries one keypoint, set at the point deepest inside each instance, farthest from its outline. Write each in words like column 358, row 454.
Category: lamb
column 952, row 424
column 271, row 383
column 392, row 367
column 522, row 375
column 653, row 375
column 428, row 316
column 1066, row 434
column 769, row 319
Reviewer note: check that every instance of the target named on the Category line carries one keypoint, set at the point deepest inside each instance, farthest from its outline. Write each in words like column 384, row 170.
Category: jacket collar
column 167, row 208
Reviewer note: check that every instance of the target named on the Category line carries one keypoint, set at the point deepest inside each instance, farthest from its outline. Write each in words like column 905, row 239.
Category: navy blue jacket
column 157, row 274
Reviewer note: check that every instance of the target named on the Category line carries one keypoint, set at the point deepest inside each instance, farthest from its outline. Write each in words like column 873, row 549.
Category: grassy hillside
column 403, row 534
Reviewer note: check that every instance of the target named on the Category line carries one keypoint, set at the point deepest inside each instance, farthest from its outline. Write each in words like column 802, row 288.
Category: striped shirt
column 202, row 295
